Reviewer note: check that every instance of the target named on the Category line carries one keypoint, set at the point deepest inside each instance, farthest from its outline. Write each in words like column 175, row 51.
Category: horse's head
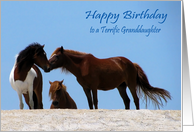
column 56, row 92
column 56, row 59
column 40, row 58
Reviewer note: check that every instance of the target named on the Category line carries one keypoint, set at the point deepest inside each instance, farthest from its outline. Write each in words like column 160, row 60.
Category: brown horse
column 60, row 97
column 26, row 78
column 105, row 74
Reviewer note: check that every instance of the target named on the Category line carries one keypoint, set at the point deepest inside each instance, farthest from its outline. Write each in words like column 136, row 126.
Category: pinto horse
column 104, row 74
column 26, row 78
column 60, row 97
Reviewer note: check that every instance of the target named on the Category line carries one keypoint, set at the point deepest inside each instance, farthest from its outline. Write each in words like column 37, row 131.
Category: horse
column 60, row 97
column 25, row 76
column 105, row 74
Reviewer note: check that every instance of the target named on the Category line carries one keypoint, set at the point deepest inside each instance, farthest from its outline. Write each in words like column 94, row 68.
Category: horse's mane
column 27, row 55
column 54, row 87
column 68, row 51
column 75, row 52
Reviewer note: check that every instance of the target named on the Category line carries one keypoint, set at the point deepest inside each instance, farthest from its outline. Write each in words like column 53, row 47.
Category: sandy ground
column 90, row 120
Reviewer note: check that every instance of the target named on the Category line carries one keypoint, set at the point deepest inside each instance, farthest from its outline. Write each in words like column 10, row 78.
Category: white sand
column 91, row 120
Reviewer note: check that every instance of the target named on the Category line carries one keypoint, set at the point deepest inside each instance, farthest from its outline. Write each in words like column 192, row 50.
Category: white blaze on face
column 52, row 56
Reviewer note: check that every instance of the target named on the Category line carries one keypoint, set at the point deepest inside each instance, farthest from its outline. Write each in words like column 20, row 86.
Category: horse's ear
column 50, row 82
column 61, row 82
column 62, row 49
column 43, row 45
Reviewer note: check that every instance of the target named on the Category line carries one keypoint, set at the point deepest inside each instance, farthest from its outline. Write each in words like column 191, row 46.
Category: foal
column 60, row 96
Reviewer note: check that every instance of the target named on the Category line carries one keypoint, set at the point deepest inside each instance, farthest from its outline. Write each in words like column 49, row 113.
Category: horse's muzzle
column 51, row 67
column 55, row 103
column 47, row 69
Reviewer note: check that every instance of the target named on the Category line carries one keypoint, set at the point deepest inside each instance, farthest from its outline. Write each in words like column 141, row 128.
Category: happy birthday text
column 114, row 17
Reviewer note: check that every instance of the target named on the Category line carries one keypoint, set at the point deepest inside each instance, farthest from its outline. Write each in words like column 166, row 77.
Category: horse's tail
column 145, row 89
column 35, row 100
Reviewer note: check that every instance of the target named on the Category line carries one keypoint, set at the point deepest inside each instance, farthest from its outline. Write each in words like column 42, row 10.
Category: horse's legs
column 26, row 97
column 38, row 93
column 20, row 98
column 39, row 98
column 89, row 97
column 132, row 88
column 95, row 98
column 37, row 87
column 31, row 102
column 35, row 100
column 122, row 91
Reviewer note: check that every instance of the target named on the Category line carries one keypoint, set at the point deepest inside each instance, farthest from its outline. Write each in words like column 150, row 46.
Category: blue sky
column 63, row 23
